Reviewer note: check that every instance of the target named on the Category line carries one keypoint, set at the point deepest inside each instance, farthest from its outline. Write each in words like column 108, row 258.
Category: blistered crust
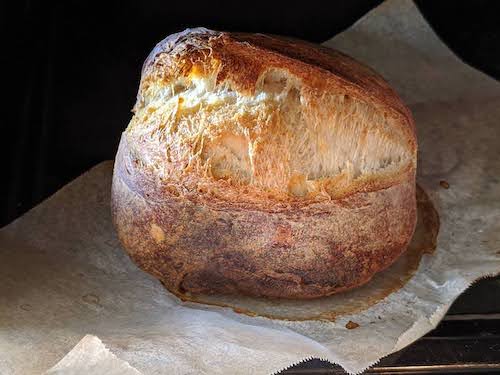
column 282, row 118
column 246, row 56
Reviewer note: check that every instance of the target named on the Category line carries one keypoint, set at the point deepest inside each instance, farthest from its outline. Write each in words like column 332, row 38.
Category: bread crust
column 294, row 252
column 227, row 237
column 247, row 56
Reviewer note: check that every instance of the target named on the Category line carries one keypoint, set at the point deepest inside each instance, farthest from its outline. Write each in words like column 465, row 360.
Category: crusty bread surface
column 265, row 166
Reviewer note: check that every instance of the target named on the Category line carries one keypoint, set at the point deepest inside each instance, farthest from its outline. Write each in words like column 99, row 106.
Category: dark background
column 71, row 70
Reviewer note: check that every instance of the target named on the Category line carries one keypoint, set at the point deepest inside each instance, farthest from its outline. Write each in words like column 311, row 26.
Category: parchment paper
column 63, row 275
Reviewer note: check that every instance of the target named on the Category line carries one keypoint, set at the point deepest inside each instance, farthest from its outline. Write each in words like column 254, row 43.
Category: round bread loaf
column 264, row 166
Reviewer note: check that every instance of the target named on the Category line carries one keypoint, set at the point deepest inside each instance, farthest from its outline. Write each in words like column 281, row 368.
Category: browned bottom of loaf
column 296, row 253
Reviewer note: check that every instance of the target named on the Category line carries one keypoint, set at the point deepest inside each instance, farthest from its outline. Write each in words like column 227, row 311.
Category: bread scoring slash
column 264, row 166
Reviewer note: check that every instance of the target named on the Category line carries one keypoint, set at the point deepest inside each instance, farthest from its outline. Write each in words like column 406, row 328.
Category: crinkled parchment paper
column 64, row 280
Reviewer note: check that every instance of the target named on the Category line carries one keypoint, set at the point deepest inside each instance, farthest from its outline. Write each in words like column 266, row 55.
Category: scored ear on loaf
column 265, row 166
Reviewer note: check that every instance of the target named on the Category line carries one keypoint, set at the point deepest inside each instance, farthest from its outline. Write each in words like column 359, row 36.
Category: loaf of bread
column 264, row 166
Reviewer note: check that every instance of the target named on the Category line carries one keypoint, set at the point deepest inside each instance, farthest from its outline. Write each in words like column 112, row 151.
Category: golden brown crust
column 322, row 80
column 247, row 56
column 269, row 224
